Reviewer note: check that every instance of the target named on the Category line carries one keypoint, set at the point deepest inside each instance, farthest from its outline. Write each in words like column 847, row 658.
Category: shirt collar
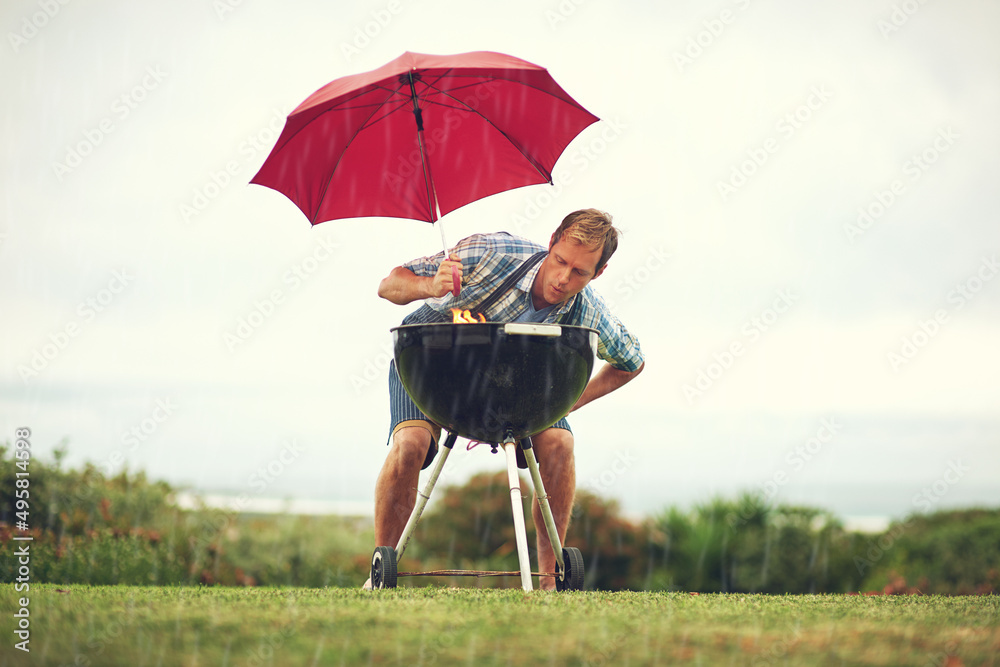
column 526, row 281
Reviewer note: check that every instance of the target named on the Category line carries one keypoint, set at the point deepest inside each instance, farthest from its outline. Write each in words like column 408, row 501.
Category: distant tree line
column 731, row 546
column 89, row 527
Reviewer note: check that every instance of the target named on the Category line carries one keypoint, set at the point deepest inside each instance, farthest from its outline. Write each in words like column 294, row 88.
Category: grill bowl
column 494, row 381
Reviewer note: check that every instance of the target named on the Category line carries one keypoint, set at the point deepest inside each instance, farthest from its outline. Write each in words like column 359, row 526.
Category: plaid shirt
column 487, row 259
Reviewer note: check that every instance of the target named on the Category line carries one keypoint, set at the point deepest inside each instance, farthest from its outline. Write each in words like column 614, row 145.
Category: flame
column 459, row 316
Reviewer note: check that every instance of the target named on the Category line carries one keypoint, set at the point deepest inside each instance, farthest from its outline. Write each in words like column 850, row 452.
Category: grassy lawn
column 120, row 625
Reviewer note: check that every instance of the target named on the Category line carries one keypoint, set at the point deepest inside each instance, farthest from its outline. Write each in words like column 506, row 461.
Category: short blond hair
column 591, row 228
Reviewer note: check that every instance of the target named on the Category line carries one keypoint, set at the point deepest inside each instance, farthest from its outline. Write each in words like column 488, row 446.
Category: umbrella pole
column 444, row 242
column 456, row 282
column 432, row 201
column 431, row 192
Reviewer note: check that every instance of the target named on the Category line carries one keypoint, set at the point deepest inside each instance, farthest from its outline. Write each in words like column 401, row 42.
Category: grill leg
column 543, row 503
column 424, row 496
column 520, row 533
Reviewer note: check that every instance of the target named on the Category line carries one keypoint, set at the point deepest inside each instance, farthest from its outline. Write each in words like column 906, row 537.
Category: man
column 554, row 290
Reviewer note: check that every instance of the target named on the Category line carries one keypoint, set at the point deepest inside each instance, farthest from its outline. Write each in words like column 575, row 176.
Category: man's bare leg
column 554, row 446
column 396, row 488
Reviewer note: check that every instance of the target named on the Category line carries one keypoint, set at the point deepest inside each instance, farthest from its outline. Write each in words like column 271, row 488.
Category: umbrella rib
column 376, row 107
column 544, row 173
column 541, row 171
column 333, row 171
column 567, row 99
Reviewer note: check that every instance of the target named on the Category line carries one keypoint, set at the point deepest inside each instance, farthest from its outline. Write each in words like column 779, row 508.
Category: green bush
column 93, row 529
column 749, row 546
column 949, row 552
column 89, row 528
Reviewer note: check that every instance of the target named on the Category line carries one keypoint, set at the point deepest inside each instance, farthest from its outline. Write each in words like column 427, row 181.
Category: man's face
column 570, row 265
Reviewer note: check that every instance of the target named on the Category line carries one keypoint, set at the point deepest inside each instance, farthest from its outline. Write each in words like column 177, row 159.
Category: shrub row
column 125, row 529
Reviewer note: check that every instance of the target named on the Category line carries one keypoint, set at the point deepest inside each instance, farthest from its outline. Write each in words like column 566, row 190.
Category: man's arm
column 403, row 286
column 606, row 381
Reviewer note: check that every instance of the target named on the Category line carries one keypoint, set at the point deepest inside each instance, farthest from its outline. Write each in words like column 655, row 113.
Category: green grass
column 122, row 625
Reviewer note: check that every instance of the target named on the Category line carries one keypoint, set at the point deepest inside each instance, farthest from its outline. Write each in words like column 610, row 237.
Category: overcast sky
column 808, row 194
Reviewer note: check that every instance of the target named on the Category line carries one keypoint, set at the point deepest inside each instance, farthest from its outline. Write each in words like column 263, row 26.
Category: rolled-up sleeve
column 617, row 345
column 619, row 348
column 469, row 250
column 425, row 266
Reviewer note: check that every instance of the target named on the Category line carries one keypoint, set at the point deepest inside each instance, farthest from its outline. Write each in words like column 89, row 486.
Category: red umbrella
column 421, row 136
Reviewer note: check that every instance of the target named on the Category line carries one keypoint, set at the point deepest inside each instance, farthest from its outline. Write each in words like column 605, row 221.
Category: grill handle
column 526, row 329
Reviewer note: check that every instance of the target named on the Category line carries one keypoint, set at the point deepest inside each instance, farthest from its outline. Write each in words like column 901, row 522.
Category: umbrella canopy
column 422, row 136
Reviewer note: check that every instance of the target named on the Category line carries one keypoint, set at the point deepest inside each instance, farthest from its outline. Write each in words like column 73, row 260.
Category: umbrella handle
column 456, row 282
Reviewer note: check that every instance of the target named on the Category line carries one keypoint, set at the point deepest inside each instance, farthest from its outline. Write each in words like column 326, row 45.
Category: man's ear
column 598, row 274
column 552, row 240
